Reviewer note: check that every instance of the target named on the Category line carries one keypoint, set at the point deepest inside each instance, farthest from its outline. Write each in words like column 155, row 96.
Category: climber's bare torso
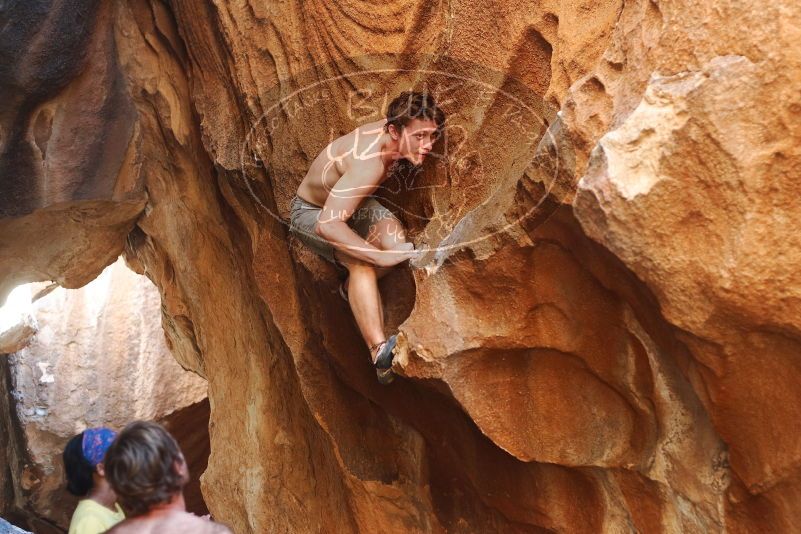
column 363, row 149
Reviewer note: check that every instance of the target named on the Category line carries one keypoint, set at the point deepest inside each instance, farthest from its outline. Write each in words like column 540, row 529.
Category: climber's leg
column 361, row 285
column 364, row 298
column 386, row 234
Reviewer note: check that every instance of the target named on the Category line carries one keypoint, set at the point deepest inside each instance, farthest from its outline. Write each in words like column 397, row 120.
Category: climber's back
column 360, row 147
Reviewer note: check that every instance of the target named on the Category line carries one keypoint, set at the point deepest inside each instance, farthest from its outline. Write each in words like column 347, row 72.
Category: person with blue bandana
column 83, row 458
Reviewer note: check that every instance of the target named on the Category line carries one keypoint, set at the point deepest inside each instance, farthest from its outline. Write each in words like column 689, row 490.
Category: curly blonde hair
column 145, row 467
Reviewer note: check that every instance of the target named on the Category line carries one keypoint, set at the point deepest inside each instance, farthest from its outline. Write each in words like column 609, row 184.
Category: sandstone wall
column 603, row 335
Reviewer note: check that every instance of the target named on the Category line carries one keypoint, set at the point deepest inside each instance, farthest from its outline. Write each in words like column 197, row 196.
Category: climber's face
column 416, row 140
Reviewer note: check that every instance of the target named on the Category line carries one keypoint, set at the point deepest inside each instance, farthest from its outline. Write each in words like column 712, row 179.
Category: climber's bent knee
column 390, row 234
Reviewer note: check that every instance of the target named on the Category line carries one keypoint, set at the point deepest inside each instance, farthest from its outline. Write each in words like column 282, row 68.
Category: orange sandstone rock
column 601, row 337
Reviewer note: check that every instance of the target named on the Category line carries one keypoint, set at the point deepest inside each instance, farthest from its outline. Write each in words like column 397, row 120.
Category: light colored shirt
column 91, row 517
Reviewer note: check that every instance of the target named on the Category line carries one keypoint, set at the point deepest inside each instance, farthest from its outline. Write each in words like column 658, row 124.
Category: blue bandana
column 96, row 442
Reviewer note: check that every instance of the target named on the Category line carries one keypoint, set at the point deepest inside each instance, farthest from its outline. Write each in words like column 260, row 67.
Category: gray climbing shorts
column 303, row 217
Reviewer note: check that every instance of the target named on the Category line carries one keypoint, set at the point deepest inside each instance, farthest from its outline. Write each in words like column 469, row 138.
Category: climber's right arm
column 358, row 182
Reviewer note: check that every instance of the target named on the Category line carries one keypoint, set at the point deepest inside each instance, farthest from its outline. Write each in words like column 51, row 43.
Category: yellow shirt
column 93, row 518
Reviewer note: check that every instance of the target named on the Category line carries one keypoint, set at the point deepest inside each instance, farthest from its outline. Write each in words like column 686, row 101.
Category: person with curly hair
column 148, row 472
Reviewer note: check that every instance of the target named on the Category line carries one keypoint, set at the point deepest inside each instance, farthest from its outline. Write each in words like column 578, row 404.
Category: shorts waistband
column 305, row 204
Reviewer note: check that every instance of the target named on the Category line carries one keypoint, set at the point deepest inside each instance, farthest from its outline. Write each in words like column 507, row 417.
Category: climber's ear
column 393, row 132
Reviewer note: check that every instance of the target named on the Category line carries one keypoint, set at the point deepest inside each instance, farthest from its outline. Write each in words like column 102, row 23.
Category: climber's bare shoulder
column 356, row 156
column 175, row 523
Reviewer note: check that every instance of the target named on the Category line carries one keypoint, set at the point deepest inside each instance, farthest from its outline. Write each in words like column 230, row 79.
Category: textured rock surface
column 98, row 359
column 67, row 122
column 705, row 169
column 605, row 337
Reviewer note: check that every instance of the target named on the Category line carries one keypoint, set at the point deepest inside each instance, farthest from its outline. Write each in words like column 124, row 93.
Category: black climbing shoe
column 383, row 360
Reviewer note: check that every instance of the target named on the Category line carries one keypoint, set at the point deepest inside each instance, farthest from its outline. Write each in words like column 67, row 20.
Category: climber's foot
column 382, row 352
column 382, row 359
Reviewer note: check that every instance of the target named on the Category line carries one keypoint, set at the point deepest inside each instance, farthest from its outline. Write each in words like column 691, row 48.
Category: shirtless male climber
column 335, row 214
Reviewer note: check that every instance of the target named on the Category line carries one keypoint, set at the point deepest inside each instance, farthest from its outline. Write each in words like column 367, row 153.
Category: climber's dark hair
column 143, row 467
column 410, row 105
column 77, row 467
